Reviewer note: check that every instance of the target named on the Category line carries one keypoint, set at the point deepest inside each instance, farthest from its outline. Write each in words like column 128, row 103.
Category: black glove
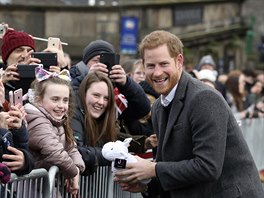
column 89, row 158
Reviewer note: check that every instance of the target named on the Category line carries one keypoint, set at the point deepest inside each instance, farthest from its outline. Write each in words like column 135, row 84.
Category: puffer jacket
column 47, row 142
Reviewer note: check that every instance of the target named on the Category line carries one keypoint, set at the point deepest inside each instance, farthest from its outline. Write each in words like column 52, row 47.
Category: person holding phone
column 126, row 86
column 93, row 121
column 17, row 48
column 50, row 136
column 19, row 160
column 55, row 46
column 138, row 104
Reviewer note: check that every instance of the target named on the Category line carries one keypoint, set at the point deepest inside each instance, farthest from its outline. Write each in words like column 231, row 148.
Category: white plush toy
column 119, row 150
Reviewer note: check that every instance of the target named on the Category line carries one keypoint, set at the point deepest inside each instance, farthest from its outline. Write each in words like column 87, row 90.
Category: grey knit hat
column 95, row 48
column 206, row 60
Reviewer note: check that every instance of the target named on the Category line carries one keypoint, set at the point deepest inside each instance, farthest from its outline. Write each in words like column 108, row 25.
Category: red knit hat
column 14, row 39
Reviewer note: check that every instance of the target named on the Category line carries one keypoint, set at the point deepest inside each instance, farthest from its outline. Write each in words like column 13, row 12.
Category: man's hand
column 16, row 161
column 136, row 172
column 118, row 75
column 28, row 60
column 99, row 67
column 10, row 73
column 133, row 188
column 151, row 142
column 15, row 116
column 62, row 62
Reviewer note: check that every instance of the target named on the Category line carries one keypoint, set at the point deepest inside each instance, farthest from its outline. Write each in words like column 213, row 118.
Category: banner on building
column 129, row 35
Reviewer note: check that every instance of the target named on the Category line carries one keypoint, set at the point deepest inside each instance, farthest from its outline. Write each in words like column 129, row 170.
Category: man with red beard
column 201, row 150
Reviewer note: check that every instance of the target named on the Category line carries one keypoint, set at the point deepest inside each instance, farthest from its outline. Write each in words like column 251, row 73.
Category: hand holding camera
column 109, row 59
column 115, row 71
column 55, row 47
column 13, row 118
column 10, row 73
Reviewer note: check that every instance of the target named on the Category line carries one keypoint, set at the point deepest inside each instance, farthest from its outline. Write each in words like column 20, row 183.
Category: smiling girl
column 50, row 137
column 93, row 122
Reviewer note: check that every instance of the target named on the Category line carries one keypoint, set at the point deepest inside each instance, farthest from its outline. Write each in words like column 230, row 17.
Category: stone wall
column 79, row 25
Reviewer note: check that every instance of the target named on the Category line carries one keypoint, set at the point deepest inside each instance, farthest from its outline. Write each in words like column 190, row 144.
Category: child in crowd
column 137, row 71
column 50, row 136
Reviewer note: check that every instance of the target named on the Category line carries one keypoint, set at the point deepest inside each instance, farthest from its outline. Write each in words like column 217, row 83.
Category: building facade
column 216, row 27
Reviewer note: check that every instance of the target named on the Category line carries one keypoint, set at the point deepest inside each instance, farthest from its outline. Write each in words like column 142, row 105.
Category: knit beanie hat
column 95, row 48
column 14, row 39
column 148, row 89
column 206, row 60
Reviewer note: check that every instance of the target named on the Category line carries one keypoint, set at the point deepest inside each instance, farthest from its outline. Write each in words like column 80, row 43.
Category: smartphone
column 47, row 58
column 109, row 59
column 54, row 42
column 27, row 71
column 3, row 29
column 16, row 97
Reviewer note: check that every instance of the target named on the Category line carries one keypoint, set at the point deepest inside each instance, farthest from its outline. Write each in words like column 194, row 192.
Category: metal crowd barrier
column 41, row 183
column 98, row 185
column 33, row 185
column 253, row 132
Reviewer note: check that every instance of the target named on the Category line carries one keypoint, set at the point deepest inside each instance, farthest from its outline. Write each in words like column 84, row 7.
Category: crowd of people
column 187, row 119
column 242, row 89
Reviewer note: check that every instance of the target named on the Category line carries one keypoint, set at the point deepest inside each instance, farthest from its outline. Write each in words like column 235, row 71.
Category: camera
column 54, row 42
column 47, row 58
column 27, row 71
column 109, row 59
column 26, row 76
column 16, row 97
column 120, row 163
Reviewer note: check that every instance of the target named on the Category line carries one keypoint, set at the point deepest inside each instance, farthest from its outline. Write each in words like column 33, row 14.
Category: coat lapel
column 162, row 120
column 176, row 108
